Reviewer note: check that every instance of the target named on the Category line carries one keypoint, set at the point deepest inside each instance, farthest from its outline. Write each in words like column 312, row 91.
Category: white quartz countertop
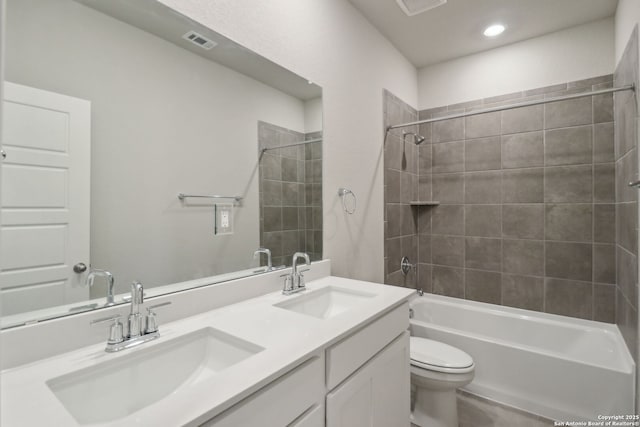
column 288, row 339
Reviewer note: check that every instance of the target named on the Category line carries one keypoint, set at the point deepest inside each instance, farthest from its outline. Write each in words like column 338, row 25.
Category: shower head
column 417, row 139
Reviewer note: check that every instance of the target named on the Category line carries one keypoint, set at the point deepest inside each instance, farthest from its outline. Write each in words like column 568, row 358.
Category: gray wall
column 526, row 215
column 626, row 153
column 290, row 194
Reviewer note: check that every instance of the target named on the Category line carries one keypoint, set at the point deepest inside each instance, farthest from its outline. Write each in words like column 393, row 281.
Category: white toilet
column 437, row 370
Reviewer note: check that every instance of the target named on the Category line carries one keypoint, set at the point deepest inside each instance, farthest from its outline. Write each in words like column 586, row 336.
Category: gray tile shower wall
column 290, row 190
column 401, row 186
column 527, row 202
column 626, row 169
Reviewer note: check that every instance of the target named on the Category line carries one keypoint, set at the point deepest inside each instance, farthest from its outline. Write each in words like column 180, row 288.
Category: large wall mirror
column 112, row 109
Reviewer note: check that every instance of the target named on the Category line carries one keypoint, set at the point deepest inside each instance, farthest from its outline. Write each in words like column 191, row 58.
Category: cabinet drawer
column 280, row 403
column 349, row 354
column 314, row 417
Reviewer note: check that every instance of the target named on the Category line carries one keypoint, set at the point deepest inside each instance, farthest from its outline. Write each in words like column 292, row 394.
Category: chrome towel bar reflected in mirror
column 183, row 196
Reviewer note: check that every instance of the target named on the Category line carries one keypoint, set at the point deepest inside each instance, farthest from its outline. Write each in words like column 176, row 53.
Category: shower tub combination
column 557, row 367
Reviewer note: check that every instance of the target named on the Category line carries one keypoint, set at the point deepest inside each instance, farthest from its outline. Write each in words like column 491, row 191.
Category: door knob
column 80, row 267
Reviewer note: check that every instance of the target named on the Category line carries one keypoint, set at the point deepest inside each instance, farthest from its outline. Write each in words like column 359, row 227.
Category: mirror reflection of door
column 45, row 199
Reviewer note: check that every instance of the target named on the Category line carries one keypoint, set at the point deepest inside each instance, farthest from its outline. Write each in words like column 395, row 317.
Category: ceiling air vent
column 414, row 7
column 199, row 40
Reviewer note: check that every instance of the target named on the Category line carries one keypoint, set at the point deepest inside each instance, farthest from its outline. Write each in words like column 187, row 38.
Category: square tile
column 272, row 219
column 523, row 292
column 482, row 187
column 424, row 278
column 448, row 219
column 483, row 220
column 424, row 248
column 626, row 222
column 604, row 264
column 523, row 150
column 569, row 222
column 482, row 154
column 568, row 184
column 448, row 281
column 524, row 119
column 524, row 257
column 604, row 303
column 483, row 286
column 483, row 254
column 523, row 186
column 569, row 146
column 448, row 157
column 604, row 183
column 448, row 188
column 572, row 261
column 604, row 223
column 572, row 112
column 447, row 250
column 448, row 130
column 603, row 148
column 392, row 186
column 482, row 125
column 603, row 108
column 523, row 221
column 408, row 183
column 569, row 298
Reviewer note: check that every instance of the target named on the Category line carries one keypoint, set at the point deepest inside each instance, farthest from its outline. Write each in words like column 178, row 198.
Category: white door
column 45, row 199
column 377, row 395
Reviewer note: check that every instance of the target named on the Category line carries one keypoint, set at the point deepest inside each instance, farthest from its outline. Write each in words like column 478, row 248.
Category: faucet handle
column 288, row 282
column 151, row 325
column 116, row 331
column 301, row 283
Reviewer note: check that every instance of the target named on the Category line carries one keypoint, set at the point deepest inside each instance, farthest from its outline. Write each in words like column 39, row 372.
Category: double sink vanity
column 336, row 354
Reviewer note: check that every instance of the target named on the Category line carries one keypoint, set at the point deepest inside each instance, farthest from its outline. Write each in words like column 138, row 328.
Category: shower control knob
column 406, row 266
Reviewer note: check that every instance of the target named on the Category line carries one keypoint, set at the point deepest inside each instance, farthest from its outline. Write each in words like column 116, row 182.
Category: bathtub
column 558, row 367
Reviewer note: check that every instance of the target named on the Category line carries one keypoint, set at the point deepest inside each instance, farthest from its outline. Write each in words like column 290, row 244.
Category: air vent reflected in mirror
column 199, row 40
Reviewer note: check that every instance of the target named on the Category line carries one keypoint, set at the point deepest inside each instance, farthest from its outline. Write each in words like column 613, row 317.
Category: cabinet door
column 280, row 403
column 377, row 395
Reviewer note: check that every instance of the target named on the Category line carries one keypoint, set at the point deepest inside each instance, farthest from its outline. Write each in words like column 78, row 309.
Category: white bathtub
column 558, row 367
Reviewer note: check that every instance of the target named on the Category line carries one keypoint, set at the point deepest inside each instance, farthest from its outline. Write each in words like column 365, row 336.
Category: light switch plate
column 224, row 219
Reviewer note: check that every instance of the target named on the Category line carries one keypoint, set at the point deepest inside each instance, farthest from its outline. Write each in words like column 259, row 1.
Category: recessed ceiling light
column 494, row 30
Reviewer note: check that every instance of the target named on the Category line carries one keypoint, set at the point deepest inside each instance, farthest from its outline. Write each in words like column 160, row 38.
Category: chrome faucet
column 135, row 318
column 294, row 282
column 136, row 334
column 91, row 277
column 268, row 253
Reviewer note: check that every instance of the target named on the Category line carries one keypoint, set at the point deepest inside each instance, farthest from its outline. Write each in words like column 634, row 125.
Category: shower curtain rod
column 291, row 145
column 509, row 107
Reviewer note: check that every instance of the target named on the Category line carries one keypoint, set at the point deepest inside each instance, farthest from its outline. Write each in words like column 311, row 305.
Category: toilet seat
column 437, row 356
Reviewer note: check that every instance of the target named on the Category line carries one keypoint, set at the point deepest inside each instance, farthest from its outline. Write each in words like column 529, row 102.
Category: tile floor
column 475, row 411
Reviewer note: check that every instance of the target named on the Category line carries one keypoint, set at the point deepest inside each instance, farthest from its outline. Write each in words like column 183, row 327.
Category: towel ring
column 344, row 192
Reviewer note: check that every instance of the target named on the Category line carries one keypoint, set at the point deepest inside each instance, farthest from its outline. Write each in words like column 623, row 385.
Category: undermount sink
column 326, row 302
column 118, row 388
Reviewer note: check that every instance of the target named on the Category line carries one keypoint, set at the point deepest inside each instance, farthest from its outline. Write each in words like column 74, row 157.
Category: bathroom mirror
column 112, row 109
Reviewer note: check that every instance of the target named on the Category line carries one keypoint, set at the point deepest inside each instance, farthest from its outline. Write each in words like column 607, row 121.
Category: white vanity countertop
column 289, row 338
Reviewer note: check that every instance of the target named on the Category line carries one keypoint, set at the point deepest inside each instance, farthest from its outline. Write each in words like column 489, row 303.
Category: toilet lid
column 437, row 356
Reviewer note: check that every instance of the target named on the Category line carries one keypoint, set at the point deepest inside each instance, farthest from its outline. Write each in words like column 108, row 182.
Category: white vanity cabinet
column 363, row 380
column 376, row 390
column 349, row 368
column 289, row 400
